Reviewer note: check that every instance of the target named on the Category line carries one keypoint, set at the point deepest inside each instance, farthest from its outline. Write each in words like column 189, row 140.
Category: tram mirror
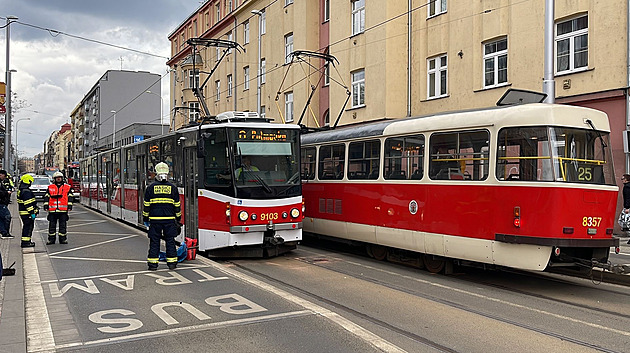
column 201, row 148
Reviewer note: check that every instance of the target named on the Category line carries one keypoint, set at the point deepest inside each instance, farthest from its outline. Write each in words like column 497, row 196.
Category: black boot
column 51, row 240
column 63, row 240
column 27, row 244
column 172, row 265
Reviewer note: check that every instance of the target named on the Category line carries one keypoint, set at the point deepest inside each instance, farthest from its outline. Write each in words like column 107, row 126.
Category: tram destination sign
column 262, row 135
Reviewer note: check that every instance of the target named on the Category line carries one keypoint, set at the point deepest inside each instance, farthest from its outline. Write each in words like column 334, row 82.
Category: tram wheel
column 378, row 252
column 433, row 264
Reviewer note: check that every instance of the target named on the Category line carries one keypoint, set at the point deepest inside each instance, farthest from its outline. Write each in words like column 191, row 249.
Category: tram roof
column 535, row 114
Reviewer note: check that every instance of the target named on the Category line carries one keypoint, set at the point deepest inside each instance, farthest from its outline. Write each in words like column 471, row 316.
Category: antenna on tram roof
column 515, row 96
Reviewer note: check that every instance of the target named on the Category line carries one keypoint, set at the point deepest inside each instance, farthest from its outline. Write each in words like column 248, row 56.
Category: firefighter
column 6, row 188
column 58, row 201
column 162, row 213
column 27, row 206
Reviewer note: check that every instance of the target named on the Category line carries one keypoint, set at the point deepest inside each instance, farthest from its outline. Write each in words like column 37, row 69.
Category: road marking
column 86, row 223
column 202, row 327
column 348, row 325
column 182, row 266
column 453, row 289
column 95, row 244
column 39, row 332
column 96, row 259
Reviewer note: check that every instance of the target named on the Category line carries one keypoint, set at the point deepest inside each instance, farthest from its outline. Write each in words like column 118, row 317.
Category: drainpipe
column 234, row 90
column 549, row 85
column 409, row 58
column 628, row 78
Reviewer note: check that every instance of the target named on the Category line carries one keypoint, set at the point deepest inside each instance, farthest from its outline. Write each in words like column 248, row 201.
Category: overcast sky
column 55, row 71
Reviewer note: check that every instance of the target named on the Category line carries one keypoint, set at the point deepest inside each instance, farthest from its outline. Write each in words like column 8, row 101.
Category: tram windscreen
column 256, row 163
column 560, row 154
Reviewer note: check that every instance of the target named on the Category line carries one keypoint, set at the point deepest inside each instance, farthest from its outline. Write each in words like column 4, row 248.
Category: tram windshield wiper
column 599, row 135
column 258, row 179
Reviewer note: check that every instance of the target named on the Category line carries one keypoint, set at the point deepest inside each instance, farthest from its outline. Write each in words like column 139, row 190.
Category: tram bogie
column 236, row 177
column 503, row 186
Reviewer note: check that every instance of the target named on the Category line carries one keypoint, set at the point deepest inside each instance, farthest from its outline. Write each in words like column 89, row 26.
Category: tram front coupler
column 271, row 235
column 618, row 269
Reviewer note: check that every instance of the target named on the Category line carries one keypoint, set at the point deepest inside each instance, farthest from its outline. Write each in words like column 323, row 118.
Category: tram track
column 320, row 261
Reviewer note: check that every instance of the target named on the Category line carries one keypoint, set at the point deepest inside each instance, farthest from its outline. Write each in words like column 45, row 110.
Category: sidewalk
column 12, row 313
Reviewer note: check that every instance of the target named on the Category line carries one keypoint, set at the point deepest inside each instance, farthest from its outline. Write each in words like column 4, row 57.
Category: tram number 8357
column 591, row 221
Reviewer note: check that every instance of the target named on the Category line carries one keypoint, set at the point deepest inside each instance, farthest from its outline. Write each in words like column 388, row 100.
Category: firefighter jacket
column 27, row 204
column 58, row 198
column 161, row 203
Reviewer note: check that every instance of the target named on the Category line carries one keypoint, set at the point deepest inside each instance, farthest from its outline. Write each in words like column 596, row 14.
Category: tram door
column 190, row 192
column 141, row 167
column 108, row 186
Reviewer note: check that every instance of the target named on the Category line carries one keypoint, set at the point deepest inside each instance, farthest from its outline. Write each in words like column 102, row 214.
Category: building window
column 193, row 112
column 229, row 85
column 246, row 32
column 436, row 76
column 217, row 86
column 288, row 47
column 572, row 45
column 263, row 70
column 195, row 28
column 229, row 6
column 327, row 74
column 246, row 78
column 263, row 111
column 263, row 22
column 495, row 63
column 326, row 10
column 288, row 107
column 288, row 2
column 218, row 53
column 229, row 37
column 218, row 8
column 193, row 78
column 207, row 20
column 358, row 16
column 358, row 88
column 436, row 7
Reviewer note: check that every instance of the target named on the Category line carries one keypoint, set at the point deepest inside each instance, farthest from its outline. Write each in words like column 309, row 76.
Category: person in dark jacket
column 27, row 206
column 162, row 213
column 6, row 188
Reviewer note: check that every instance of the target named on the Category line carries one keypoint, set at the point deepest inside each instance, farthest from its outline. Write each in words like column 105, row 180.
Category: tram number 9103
column 591, row 221
column 269, row 216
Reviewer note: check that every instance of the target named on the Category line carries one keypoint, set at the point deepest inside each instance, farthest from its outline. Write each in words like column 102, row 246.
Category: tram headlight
column 243, row 216
column 254, row 216
column 285, row 214
column 295, row 213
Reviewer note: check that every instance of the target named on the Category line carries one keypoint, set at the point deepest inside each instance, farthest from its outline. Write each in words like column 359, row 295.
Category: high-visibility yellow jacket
column 161, row 203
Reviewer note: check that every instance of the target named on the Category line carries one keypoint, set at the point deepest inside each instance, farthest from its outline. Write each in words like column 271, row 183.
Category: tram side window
column 364, row 160
column 459, row 155
column 524, row 154
column 154, row 159
column 130, row 167
column 331, row 162
column 308, row 163
column 404, row 158
column 116, row 170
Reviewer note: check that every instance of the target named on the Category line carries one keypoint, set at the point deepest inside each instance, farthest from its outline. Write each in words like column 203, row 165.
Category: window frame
column 229, row 85
column 358, row 85
column 288, row 47
column 437, row 71
column 193, row 111
column 365, row 160
column 217, row 85
column 263, row 70
column 288, row 107
column 571, row 37
column 358, row 17
column 246, row 32
column 495, row 57
column 434, row 11
column 245, row 78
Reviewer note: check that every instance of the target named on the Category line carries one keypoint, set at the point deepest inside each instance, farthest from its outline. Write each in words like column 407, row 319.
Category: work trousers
column 53, row 217
column 157, row 230
column 27, row 228
column 5, row 220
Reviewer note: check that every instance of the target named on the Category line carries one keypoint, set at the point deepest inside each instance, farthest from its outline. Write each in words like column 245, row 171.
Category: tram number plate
column 591, row 221
column 269, row 216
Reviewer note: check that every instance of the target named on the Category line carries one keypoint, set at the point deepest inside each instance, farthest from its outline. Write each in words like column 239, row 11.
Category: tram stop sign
column 3, row 97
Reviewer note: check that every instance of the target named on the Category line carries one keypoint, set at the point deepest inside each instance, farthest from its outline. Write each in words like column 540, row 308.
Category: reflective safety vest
column 58, row 197
column 161, row 203
column 27, row 204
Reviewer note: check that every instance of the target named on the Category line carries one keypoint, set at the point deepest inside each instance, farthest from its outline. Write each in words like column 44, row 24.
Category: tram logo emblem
column 413, row 207
column 239, row 202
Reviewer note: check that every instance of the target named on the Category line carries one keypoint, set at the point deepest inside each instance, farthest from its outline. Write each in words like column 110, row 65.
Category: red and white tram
column 232, row 209
column 528, row 186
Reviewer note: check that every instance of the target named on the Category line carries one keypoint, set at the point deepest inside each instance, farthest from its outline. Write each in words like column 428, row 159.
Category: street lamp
column 17, row 151
column 161, row 105
column 7, row 119
column 114, row 130
column 260, row 15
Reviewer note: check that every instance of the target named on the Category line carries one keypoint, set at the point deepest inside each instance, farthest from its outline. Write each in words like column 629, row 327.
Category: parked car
column 39, row 186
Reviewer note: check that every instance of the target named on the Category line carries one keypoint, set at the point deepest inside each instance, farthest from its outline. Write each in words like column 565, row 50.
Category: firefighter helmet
column 27, row 179
column 57, row 175
column 161, row 169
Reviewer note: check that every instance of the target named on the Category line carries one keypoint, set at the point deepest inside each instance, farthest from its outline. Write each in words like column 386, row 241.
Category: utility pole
column 549, row 84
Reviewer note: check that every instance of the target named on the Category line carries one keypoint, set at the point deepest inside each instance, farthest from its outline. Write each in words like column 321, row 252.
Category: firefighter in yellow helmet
column 162, row 214
column 58, row 201
column 27, row 205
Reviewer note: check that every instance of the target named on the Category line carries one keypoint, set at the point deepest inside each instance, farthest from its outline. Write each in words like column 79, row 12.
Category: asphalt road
column 95, row 295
